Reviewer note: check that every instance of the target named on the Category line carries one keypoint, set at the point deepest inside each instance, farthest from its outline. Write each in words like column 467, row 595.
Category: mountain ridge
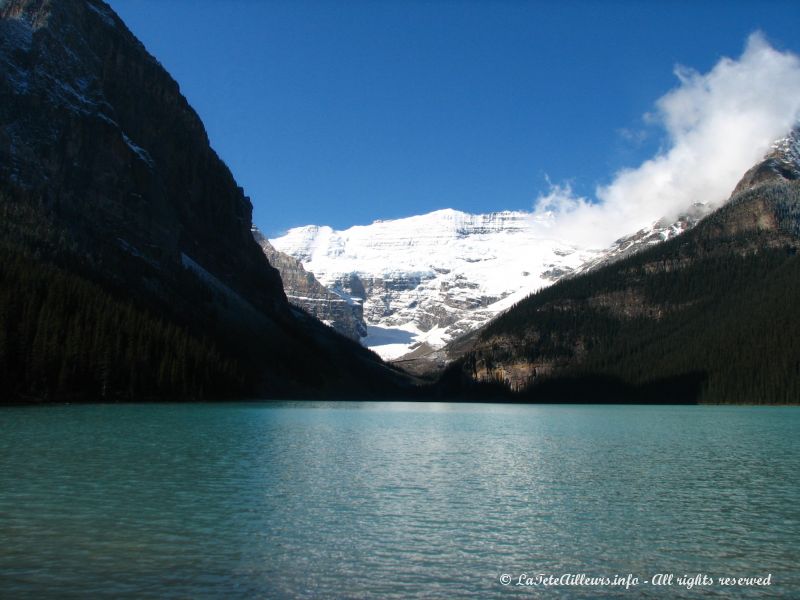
column 108, row 183
column 707, row 316
column 431, row 277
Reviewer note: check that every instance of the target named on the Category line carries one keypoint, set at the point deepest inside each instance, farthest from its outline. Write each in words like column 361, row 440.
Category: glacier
column 426, row 279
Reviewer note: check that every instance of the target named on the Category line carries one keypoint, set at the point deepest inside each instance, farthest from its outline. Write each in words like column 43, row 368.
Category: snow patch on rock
column 429, row 278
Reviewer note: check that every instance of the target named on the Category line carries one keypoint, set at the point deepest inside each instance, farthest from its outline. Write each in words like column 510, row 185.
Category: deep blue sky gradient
column 341, row 113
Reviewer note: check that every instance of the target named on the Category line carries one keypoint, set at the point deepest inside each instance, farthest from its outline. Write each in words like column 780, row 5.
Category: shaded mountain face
column 337, row 310
column 107, row 176
column 96, row 130
column 708, row 316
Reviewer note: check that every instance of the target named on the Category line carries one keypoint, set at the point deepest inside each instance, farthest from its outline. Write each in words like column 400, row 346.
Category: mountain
column 129, row 269
column 709, row 316
column 660, row 231
column 427, row 279
column 339, row 311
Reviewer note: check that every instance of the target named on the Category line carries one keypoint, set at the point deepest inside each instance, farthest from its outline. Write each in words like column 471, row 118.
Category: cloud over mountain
column 716, row 124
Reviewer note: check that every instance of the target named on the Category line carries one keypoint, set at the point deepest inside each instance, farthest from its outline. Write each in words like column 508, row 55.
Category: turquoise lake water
column 396, row 500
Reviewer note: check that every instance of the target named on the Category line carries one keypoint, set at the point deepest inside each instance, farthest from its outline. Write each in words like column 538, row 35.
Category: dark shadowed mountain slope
column 710, row 316
column 128, row 266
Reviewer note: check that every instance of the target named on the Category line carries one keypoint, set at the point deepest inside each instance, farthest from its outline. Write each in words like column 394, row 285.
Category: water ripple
column 366, row 500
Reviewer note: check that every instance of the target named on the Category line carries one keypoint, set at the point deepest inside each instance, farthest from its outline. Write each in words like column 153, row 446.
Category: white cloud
column 717, row 124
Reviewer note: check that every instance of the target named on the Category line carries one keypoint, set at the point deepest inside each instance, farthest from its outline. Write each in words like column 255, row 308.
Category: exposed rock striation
column 340, row 311
column 427, row 279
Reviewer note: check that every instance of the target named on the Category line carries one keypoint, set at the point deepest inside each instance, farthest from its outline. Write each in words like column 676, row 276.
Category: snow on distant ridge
column 787, row 150
column 428, row 278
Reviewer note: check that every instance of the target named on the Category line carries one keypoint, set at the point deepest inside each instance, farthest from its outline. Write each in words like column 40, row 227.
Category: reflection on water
column 393, row 499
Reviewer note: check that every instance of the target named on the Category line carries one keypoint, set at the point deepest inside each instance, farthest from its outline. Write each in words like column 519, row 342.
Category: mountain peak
column 92, row 124
column 38, row 14
column 427, row 278
column 106, row 172
column 787, row 151
column 782, row 162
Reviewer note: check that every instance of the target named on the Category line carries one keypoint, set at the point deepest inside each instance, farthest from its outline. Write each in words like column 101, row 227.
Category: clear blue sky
column 340, row 113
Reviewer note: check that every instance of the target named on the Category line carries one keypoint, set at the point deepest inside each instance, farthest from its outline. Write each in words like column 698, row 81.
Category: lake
column 398, row 500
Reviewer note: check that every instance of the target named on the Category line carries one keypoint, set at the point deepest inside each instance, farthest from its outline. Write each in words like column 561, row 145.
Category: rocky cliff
column 95, row 128
column 106, row 173
column 427, row 279
column 340, row 311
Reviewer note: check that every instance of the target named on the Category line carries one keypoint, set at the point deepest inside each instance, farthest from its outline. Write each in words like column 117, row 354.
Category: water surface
column 394, row 500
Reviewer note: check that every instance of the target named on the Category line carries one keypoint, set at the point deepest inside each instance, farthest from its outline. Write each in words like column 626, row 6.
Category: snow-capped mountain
column 428, row 278
column 711, row 318
column 782, row 162
column 787, row 152
column 660, row 231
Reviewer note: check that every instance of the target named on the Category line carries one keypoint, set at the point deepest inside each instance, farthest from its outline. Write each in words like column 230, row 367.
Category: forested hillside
column 710, row 316
column 128, row 269
column 65, row 338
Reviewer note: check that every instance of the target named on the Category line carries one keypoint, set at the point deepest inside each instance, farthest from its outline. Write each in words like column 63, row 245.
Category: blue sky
column 341, row 113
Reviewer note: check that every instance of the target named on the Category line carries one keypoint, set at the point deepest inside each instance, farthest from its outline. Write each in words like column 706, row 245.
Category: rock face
column 427, row 279
column 340, row 311
column 707, row 316
column 106, row 170
column 781, row 163
column 95, row 127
